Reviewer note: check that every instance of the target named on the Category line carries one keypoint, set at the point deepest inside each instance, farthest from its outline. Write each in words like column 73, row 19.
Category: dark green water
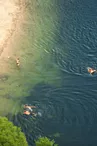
column 63, row 34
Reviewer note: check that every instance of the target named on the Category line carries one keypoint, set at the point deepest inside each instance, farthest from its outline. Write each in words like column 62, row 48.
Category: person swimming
column 28, row 110
column 26, row 113
column 18, row 62
column 91, row 70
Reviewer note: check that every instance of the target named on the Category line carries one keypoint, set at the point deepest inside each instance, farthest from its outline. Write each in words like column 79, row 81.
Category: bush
column 44, row 141
column 11, row 135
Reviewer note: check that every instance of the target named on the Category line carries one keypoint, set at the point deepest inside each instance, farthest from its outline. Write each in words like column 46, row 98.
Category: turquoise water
column 58, row 44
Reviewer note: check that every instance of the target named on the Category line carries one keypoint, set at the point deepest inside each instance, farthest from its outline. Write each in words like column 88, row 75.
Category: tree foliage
column 11, row 135
column 44, row 141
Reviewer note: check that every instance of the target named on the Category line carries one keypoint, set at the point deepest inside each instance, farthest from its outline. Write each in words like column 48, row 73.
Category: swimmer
column 91, row 71
column 18, row 62
column 30, row 113
column 26, row 113
column 29, row 107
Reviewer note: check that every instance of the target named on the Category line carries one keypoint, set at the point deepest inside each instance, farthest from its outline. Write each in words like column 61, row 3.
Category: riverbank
column 11, row 18
column 11, row 15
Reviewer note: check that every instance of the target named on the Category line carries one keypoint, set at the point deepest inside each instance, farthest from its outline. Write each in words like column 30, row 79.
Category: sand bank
column 11, row 16
column 11, row 12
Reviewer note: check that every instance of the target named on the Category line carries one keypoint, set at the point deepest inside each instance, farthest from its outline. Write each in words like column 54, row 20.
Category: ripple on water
column 78, row 38
column 72, row 108
column 62, row 109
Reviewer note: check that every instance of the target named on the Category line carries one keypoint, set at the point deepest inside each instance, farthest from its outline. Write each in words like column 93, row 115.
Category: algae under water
column 32, row 42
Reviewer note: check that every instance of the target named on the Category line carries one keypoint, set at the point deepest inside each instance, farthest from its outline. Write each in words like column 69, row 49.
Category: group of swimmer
column 28, row 110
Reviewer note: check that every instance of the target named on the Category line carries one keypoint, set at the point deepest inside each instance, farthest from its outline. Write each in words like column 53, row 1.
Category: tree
column 11, row 135
column 44, row 141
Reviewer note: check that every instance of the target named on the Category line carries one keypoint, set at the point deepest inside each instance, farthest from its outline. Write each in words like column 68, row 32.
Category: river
column 59, row 39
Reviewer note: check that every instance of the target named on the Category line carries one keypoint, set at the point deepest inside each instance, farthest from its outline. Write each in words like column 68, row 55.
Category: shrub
column 44, row 141
column 11, row 135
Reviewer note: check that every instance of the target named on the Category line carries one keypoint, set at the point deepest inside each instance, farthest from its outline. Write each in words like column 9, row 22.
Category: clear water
column 58, row 42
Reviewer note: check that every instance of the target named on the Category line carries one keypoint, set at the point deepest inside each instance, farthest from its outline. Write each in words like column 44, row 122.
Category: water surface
column 63, row 91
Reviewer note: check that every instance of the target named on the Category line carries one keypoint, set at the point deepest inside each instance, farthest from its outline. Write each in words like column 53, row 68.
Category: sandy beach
column 11, row 16
column 10, row 13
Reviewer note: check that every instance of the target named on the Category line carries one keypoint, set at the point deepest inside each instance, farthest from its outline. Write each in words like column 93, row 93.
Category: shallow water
column 33, row 46
column 58, row 44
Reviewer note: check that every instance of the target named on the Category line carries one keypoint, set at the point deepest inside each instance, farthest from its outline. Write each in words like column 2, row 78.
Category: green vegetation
column 11, row 135
column 44, row 141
